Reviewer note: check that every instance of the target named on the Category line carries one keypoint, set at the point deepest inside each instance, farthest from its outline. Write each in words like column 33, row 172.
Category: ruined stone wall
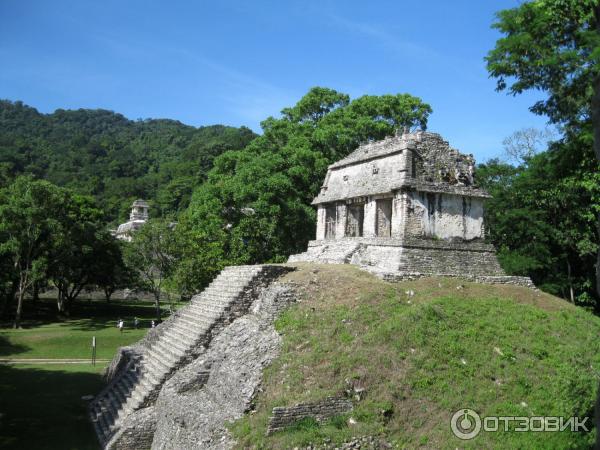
column 444, row 216
column 458, row 261
column 440, row 163
column 196, row 402
column 284, row 417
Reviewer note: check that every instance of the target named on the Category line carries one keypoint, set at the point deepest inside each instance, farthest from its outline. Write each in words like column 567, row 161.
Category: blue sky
column 237, row 62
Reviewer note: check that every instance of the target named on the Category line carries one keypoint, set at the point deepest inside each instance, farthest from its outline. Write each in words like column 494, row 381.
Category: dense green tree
column 111, row 272
column 28, row 211
column 103, row 154
column 542, row 216
column 50, row 233
column 255, row 205
column 81, row 250
column 553, row 46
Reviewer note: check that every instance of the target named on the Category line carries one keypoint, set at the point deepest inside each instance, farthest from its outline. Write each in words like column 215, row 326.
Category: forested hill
column 115, row 159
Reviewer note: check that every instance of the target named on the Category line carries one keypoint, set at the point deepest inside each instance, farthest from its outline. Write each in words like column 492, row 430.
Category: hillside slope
column 115, row 159
column 499, row 350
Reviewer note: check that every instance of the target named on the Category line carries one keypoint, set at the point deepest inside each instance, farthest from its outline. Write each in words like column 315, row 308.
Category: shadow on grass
column 9, row 348
column 42, row 408
column 88, row 315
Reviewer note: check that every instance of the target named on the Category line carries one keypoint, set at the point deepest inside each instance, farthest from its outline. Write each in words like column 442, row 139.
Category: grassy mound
column 499, row 350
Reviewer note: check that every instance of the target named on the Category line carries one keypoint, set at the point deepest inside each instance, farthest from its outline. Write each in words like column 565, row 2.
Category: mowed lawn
column 40, row 404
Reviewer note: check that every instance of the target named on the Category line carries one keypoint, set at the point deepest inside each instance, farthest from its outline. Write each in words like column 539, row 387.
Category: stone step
column 110, row 409
column 105, row 427
column 180, row 337
column 104, row 409
column 212, row 309
column 151, row 377
column 225, row 286
column 168, row 343
column 241, row 269
column 200, row 316
column 157, row 374
column 194, row 329
column 214, row 300
column 207, row 311
column 165, row 358
column 160, row 366
column 193, row 326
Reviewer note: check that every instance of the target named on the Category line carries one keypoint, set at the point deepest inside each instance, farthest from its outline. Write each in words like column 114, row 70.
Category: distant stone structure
column 137, row 218
column 401, row 207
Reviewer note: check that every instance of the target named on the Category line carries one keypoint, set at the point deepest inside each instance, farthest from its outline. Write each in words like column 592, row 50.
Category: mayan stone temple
column 402, row 207
column 137, row 218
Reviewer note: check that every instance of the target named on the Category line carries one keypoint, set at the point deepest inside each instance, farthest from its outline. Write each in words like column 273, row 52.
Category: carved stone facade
column 137, row 218
column 404, row 205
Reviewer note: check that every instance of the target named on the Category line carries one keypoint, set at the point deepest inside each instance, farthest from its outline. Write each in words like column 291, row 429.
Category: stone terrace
column 144, row 369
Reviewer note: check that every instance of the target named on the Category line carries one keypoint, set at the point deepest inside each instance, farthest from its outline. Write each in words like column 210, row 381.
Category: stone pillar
column 320, row 222
column 340, row 226
column 406, row 167
column 398, row 214
column 370, row 218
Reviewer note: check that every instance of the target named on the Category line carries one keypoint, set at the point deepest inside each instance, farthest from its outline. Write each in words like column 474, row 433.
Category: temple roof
column 376, row 149
column 377, row 168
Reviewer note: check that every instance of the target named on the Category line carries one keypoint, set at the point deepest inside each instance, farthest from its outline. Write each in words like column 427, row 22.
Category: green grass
column 42, row 409
column 46, row 335
column 40, row 405
column 500, row 350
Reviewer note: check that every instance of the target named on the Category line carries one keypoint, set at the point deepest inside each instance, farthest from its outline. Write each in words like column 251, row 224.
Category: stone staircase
column 332, row 251
column 180, row 340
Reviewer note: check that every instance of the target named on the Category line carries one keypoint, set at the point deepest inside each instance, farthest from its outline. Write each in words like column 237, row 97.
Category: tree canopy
column 103, row 154
column 542, row 216
column 255, row 204
column 51, row 233
column 554, row 46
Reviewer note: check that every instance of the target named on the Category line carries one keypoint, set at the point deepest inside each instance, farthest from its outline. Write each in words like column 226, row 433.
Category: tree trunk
column 21, row 296
column 571, row 291
column 60, row 301
column 108, row 292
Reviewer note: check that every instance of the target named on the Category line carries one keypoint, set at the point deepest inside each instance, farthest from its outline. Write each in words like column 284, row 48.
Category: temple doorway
column 330, row 221
column 354, row 220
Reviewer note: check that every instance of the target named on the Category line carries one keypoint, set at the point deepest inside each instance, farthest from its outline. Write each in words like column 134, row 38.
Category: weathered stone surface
column 327, row 408
column 137, row 218
column 139, row 372
column 421, row 212
column 234, row 361
column 137, row 432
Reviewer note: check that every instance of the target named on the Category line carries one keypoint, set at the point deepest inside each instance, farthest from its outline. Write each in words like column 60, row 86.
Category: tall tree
column 542, row 216
column 150, row 257
column 81, row 249
column 553, row 46
column 255, row 205
column 28, row 211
